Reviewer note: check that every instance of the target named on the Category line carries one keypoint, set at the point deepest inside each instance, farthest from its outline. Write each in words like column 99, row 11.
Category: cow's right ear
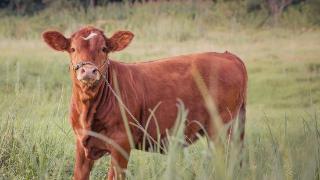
column 56, row 40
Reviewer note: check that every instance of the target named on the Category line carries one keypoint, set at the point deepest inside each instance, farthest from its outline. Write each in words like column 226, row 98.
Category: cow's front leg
column 119, row 163
column 83, row 165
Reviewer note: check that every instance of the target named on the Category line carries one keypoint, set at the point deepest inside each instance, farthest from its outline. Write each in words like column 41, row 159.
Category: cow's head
column 88, row 49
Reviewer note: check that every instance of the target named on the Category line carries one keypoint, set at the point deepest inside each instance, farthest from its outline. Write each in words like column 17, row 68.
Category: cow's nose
column 88, row 74
column 87, row 71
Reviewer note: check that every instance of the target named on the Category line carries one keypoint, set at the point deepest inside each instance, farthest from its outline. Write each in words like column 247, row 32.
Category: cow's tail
column 242, row 120
column 241, row 123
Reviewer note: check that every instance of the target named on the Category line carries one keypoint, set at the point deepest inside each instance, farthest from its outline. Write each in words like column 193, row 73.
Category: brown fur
column 142, row 86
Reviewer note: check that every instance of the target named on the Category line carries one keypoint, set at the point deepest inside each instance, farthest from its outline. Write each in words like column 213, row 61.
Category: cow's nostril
column 94, row 71
column 82, row 71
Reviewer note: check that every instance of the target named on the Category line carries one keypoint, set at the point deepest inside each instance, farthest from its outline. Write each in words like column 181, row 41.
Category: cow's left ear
column 119, row 40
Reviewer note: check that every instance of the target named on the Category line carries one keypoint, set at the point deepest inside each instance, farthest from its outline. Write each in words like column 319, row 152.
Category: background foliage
column 27, row 19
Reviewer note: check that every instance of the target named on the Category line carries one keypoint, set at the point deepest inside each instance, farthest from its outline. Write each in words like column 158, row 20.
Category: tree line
column 29, row 7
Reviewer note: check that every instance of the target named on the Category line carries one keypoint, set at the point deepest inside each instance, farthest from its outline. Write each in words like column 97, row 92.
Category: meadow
column 282, row 139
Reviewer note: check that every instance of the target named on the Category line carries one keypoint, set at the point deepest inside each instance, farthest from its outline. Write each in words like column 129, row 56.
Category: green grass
column 282, row 131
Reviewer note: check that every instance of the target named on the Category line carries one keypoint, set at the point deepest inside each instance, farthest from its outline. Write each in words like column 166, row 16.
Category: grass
column 282, row 130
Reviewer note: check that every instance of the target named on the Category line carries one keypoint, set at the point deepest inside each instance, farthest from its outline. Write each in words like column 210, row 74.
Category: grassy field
column 282, row 131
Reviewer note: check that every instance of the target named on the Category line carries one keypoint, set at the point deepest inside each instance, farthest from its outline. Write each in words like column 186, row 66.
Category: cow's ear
column 56, row 40
column 119, row 40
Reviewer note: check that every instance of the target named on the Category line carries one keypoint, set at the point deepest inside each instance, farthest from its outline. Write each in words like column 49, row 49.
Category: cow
column 96, row 103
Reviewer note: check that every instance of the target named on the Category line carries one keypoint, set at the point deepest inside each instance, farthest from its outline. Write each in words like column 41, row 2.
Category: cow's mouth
column 90, row 83
column 95, row 153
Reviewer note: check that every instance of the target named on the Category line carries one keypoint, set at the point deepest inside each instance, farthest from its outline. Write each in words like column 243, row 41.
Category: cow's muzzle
column 88, row 74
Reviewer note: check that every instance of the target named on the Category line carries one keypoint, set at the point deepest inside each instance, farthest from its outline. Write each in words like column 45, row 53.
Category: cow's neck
column 91, row 103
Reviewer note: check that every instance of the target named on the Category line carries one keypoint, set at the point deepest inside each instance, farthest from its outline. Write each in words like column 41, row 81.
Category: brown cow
column 95, row 106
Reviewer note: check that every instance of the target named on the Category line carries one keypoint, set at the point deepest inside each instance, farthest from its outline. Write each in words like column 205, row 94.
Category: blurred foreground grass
column 282, row 130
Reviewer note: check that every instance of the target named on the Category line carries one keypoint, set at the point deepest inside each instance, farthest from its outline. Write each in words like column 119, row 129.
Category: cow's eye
column 104, row 49
column 72, row 49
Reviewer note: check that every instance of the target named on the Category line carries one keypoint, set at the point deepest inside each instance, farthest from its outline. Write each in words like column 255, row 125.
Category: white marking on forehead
column 91, row 35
